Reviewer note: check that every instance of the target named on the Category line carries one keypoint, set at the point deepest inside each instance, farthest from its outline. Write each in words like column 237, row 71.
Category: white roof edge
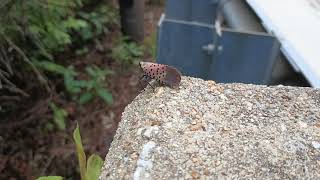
column 301, row 52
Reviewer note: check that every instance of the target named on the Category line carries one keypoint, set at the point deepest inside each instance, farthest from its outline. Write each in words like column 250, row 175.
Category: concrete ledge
column 205, row 130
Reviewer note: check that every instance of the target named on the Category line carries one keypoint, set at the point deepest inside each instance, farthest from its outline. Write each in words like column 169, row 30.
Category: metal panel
column 180, row 45
column 202, row 11
column 245, row 57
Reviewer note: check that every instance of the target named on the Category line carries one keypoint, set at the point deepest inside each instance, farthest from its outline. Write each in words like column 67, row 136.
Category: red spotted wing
column 165, row 74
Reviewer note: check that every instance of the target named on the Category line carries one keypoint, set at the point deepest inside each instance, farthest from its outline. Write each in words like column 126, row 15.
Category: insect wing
column 172, row 77
column 152, row 70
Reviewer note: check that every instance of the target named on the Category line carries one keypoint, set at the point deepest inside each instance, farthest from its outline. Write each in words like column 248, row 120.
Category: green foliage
column 89, row 170
column 59, row 116
column 54, row 67
column 82, row 91
column 50, row 24
column 36, row 30
column 94, row 167
column 97, row 21
column 94, row 86
column 50, row 178
column 53, row 37
column 82, row 51
column 80, row 152
column 127, row 52
column 85, row 90
column 47, row 24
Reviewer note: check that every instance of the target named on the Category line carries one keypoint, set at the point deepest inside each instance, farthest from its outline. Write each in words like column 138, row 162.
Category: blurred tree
column 132, row 18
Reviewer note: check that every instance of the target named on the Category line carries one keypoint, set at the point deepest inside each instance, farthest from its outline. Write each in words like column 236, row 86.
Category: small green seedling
column 89, row 170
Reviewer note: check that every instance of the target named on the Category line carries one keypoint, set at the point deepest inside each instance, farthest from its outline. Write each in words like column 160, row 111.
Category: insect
column 166, row 75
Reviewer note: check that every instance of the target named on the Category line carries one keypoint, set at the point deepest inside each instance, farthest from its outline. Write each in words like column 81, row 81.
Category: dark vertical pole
column 132, row 18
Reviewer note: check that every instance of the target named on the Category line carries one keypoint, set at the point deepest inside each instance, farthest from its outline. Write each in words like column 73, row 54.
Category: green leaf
column 70, row 83
column 96, row 72
column 59, row 116
column 127, row 52
column 105, row 95
column 50, row 178
column 49, row 126
column 81, row 84
column 86, row 33
column 94, row 167
column 85, row 97
column 82, row 51
column 75, row 24
column 52, row 67
column 80, row 152
column 79, row 2
column 91, row 71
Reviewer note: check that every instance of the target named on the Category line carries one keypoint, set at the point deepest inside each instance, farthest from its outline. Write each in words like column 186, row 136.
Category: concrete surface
column 205, row 130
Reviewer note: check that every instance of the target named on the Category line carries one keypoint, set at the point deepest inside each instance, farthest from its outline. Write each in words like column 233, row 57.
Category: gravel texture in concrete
column 204, row 130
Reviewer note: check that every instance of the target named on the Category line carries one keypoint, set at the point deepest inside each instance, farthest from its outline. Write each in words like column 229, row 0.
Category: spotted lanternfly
column 166, row 75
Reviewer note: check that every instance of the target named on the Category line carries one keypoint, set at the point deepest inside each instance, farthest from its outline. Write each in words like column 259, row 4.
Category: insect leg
column 147, row 79
column 140, row 81
column 151, row 86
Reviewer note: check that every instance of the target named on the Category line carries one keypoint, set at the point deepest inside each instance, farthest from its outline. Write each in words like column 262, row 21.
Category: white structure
column 296, row 23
